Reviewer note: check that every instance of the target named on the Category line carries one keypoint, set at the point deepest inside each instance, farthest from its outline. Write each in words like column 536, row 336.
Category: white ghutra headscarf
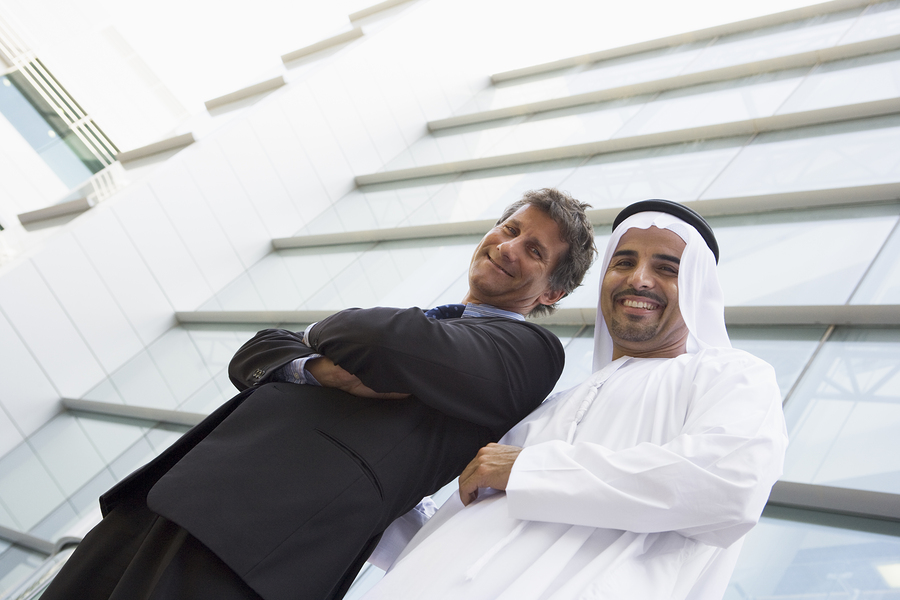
column 699, row 293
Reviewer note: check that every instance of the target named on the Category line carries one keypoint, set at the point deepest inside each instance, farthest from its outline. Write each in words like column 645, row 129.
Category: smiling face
column 511, row 266
column 639, row 295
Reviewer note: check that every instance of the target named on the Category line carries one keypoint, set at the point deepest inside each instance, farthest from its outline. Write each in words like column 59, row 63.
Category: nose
column 509, row 249
column 641, row 276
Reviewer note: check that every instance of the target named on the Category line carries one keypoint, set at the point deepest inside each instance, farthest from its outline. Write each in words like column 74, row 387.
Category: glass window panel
column 447, row 258
column 565, row 127
column 213, row 393
column 274, row 282
column 881, row 284
column 137, row 455
column 790, row 559
column 164, row 435
column 240, row 294
column 646, row 66
column 140, row 383
column 111, row 435
column 57, row 523
column 522, row 90
column 722, row 102
column 104, row 391
column 579, row 345
column 303, row 271
column 65, row 450
column 27, row 490
column 42, row 128
column 217, row 343
column 880, row 19
column 681, row 171
column 459, row 143
column 637, row 68
column 787, row 349
column 761, row 44
column 16, row 564
column 853, row 81
column 327, row 221
column 484, row 194
column 802, row 258
column 844, row 416
column 431, row 282
column 83, row 510
column 847, row 154
column 64, row 162
column 180, row 363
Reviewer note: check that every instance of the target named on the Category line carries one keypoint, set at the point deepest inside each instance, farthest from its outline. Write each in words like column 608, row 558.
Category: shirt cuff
column 295, row 371
column 306, row 333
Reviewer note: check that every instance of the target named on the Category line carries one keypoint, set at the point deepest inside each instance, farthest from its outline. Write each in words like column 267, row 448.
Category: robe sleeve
column 709, row 483
column 488, row 371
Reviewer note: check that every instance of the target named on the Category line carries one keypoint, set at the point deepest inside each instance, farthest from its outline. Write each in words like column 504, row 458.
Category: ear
column 551, row 297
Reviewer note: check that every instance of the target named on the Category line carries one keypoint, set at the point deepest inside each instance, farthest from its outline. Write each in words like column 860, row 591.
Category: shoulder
column 510, row 327
column 728, row 360
column 730, row 367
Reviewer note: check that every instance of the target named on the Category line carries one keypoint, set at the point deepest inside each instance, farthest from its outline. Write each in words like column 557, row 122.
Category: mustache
column 633, row 292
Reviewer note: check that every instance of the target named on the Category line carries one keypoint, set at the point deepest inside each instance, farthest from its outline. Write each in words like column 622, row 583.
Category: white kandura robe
column 671, row 465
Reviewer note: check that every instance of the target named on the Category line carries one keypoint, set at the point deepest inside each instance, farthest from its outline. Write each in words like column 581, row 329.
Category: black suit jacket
column 291, row 485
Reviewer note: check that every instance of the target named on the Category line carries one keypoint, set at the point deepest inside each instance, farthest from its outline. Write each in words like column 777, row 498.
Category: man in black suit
column 284, row 491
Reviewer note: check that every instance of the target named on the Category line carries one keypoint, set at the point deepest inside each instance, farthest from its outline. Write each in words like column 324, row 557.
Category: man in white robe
column 641, row 482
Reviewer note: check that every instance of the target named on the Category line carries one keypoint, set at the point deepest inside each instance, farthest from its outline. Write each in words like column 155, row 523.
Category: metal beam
column 247, row 92
column 780, row 63
column 383, row 235
column 746, row 127
column 843, row 501
column 716, row 207
column 253, row 317
column 331, row 42
column 856, row 315
column 686, row 38
column 27, row 540
column 846, row 315
column 375, row 9
column 79, row 205
column 174, row 417
column 172, row 143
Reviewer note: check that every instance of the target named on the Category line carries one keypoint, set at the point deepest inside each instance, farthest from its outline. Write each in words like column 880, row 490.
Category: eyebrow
column 666, row 257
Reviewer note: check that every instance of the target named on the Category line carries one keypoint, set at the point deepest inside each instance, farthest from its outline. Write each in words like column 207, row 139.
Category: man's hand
column 330, row 375
column 490, row 468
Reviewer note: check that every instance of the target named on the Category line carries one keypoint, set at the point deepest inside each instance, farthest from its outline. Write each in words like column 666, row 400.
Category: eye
column 535, row 251
column 668, row 269
column 510, row 229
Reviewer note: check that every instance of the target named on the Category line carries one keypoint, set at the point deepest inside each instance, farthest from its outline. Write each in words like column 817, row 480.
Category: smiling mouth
column 639, row 304
column 631, row 298
column 498, row 266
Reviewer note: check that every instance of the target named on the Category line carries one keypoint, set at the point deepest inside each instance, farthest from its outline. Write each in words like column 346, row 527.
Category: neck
column 666, row 352
column 469, row 298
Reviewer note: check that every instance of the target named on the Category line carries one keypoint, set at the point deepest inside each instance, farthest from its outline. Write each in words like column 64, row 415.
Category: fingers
column 468, row 497
column 491, row 467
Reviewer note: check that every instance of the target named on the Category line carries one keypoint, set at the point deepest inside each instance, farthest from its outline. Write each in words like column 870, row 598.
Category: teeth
column 638, row 304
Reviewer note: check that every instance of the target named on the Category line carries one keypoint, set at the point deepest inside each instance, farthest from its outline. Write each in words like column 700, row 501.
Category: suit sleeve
column 268, row 350
column 489, row 371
